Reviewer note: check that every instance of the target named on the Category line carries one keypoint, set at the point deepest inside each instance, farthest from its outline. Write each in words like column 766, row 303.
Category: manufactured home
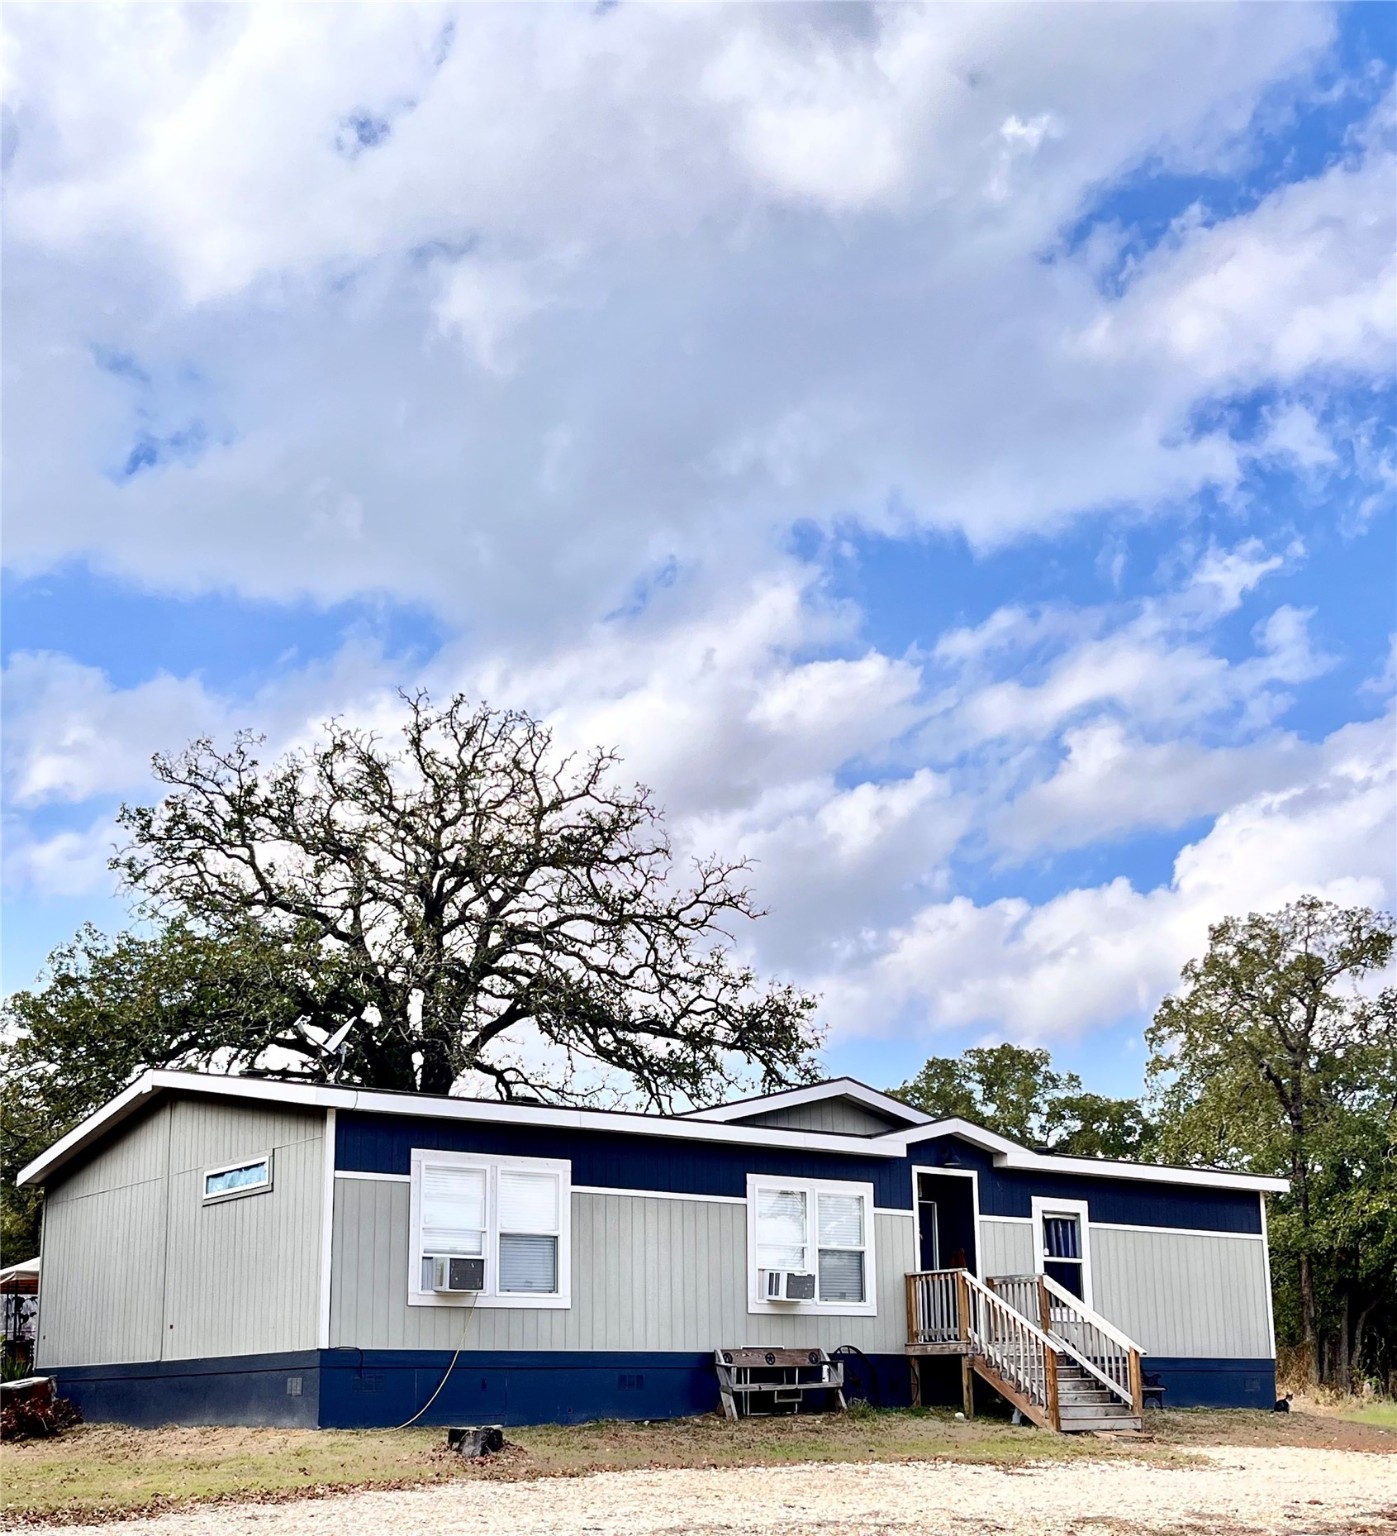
column 244, row 1250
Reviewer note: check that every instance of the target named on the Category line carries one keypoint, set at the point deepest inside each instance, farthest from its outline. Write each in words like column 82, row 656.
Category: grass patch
column 1379, row 1415
column 102, row 1471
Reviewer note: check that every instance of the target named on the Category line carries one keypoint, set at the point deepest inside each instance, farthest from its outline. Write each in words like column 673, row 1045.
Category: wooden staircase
column 1059, row 1363
column 1083, row 1403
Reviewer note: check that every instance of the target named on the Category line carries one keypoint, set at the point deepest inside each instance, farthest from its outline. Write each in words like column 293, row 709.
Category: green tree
column 1272, row 1057
column 1017, row 1092
column 108, row 1008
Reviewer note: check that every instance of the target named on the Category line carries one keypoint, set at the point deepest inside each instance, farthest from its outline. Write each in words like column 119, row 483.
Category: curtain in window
column 453, row 1210
column 839, row 1221
column 1060, row 1237
column 781, row 1229
column 528, row 1232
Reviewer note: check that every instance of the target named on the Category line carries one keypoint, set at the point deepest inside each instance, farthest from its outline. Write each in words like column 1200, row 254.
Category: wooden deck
column 1060, row 1364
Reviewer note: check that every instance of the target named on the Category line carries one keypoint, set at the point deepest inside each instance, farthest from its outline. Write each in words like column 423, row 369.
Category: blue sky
column 949, row 453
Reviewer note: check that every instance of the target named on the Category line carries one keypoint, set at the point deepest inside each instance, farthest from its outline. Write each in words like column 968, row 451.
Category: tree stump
column 475, row 1439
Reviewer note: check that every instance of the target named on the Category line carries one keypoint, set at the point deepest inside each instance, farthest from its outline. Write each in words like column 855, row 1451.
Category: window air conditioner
column 453, row 1274
column 787, row 1285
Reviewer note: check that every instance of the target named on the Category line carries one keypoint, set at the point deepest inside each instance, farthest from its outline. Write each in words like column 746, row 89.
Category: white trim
column 701, row 1126
column 555, row 1301
column 757, row 1305
column 327, row 1232
column 973, row 1174
column 240, row 1191
column 1045, row 1205
column 577, row 1189
column 656, row 1194
column 615, row 1189
column 1147, row 1173
column 423, row 1106
column 114, row 1109
column 792, row 1098
column 1266, row 1255
column 1026, row 1221
column 1130, row 1226
column 1008, row 1154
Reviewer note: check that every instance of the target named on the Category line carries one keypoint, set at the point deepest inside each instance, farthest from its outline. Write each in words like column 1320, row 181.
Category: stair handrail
column 1089, row 1315
column 1131, row 1389
column 1031, row 1366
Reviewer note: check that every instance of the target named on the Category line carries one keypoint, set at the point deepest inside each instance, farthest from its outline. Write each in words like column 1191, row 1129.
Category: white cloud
column 73, row 738
column 70, row 735
column 1305, row 282
column 1092, row 956
column 1111, row 782
column 612, row 290
column 71, row 862
column 1152, row 660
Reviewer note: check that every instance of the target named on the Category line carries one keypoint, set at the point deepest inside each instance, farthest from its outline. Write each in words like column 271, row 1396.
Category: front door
column 945, row 1221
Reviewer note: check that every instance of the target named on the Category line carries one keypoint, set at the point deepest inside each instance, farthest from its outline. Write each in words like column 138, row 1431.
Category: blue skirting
column 371, row 1389
column 280, row 1389
column 1214, row 1383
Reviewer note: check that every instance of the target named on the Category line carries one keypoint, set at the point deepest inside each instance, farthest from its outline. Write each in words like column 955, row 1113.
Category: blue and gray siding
column 660, row 1265
column 659, row 1274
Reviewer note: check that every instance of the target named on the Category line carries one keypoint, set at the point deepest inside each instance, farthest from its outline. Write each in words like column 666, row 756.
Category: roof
column 710, row 1125
column 831, row 1088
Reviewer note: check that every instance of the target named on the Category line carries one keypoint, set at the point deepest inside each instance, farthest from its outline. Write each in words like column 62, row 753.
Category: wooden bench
column 759, row 1383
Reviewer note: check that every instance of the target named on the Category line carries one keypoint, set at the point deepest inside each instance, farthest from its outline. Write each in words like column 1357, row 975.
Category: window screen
column 528, row 1232
column 781, row 1229
column 840, row 1220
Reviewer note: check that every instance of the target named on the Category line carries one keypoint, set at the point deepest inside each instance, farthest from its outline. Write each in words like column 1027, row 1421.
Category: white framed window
column 817, row 1227
column 511, row 1214
column 251, row 1176
column 1062, row 1236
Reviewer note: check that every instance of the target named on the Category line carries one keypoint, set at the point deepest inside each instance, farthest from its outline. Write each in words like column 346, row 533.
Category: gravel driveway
column 1291, row 1491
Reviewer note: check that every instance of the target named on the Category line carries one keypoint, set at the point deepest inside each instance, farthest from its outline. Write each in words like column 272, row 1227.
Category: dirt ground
column 101, row 1473
column 1233, row 1491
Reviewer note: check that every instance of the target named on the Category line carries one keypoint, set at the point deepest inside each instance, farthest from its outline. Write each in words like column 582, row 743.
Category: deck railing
column 950, row 1307
column 935, row 1314
column 1099, row 1348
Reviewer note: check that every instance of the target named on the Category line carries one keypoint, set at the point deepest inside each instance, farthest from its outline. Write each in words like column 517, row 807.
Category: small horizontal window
column 247, row 1178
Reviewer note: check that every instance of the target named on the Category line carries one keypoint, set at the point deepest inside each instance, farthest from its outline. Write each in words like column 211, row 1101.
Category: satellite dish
column 335, row 1043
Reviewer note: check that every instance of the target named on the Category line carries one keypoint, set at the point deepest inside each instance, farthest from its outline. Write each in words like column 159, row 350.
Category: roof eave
column 134, row 1098
column 812, row 1093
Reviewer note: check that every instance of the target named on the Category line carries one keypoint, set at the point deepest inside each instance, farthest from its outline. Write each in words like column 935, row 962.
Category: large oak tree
column 503, row 913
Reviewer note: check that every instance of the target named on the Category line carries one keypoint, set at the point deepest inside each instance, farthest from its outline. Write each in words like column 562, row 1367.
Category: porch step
column 1114, row 1409
column 1085, row 1405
